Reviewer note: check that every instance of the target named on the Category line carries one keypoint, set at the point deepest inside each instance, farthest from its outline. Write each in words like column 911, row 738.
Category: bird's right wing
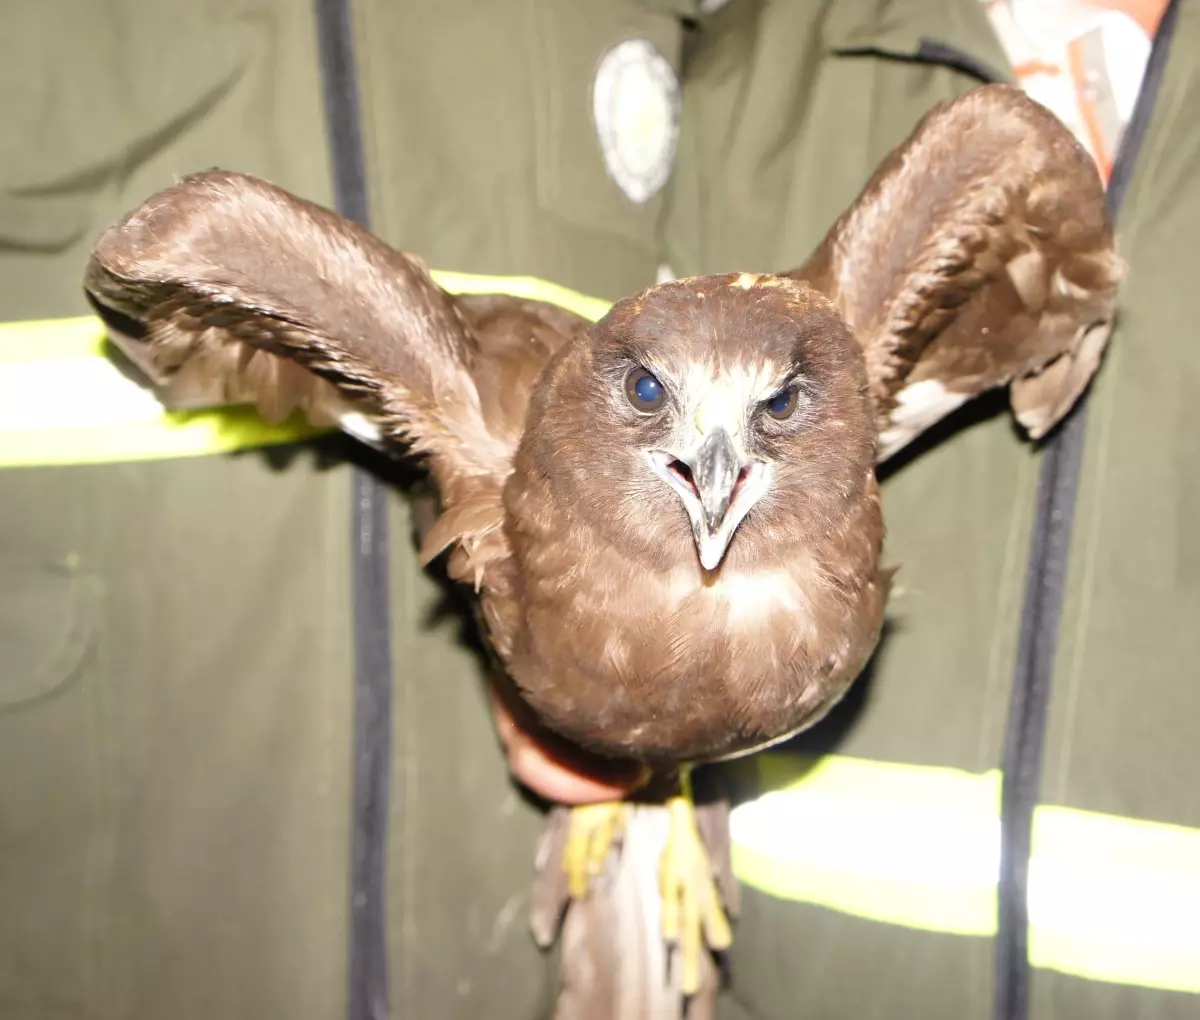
column 226, row 289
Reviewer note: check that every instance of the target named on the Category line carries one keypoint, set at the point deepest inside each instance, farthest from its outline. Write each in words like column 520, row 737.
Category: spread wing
column 981, row 253
column 226, row 289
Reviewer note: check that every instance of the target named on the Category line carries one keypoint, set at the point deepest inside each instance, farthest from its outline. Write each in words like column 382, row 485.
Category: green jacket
column 871, row 884
column 176, row 685
column 176, row 701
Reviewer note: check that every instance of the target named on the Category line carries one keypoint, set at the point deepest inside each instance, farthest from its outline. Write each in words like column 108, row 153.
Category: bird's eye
column 644, row 391
column 783, row 404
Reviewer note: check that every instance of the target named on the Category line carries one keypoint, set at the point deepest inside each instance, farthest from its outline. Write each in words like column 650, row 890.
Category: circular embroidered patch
column 635, row 102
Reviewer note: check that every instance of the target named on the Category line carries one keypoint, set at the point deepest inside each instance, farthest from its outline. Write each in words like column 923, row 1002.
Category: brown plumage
column 583, row 558
column 687, row 568
column 980, row 253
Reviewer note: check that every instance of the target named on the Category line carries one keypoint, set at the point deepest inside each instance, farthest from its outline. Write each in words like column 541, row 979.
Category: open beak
column 718, row 484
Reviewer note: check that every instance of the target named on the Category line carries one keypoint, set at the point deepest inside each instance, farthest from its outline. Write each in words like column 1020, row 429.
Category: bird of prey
column 670, row 517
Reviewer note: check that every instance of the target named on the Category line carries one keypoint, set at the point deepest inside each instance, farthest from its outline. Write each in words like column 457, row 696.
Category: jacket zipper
column 1041, row 615
column 1045, row 584
column 367, row 966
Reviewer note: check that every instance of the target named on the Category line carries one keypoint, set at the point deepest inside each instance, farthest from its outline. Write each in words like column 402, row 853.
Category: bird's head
column 719, row 406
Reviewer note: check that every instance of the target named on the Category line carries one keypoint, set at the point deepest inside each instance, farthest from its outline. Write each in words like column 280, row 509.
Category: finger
column 552, row 780
column 560, row 772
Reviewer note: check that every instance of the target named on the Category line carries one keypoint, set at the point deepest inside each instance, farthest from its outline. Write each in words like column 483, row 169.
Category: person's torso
column 887, row 851
column 177, row 688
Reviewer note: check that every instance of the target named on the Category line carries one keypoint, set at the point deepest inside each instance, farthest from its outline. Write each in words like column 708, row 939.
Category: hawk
column 670, row 517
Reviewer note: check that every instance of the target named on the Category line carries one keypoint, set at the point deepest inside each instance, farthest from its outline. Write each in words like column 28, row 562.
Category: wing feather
column 980, row 253
column 226, row 289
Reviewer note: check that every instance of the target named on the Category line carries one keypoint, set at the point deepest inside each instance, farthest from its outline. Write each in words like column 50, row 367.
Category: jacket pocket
column 606, row 78
column 91, row 93
column 54, row 851
column 47, row 628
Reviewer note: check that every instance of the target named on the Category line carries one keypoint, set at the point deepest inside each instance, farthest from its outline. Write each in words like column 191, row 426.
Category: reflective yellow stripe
column 892, row 843
column 1110, row 898
column 1114, row 899
column 529, row 287
column 63, row 402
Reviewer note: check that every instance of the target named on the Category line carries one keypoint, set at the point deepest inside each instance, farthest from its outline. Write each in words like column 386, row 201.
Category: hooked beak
column 718, row 485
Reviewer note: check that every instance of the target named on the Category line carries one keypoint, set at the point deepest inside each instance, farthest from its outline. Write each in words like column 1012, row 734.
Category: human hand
column 558, row 771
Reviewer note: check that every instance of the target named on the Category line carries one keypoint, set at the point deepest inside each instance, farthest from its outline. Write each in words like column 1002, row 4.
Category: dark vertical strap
column 1041, row 614
column 367, row 968
column 335, row 39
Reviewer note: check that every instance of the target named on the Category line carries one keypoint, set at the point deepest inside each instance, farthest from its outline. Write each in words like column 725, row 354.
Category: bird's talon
column 594, row 830
column 692, row 913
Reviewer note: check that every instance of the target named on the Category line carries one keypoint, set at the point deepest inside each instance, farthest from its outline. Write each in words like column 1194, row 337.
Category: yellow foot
column 693, row 915
column 594, row 829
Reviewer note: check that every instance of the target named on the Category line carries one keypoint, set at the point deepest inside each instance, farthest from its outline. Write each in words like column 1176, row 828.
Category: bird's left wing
column 226, row 289
column 980, row 254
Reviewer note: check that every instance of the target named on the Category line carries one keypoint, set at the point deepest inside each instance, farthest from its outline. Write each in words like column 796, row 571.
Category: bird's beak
column 715, row 467
column 718, row 484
